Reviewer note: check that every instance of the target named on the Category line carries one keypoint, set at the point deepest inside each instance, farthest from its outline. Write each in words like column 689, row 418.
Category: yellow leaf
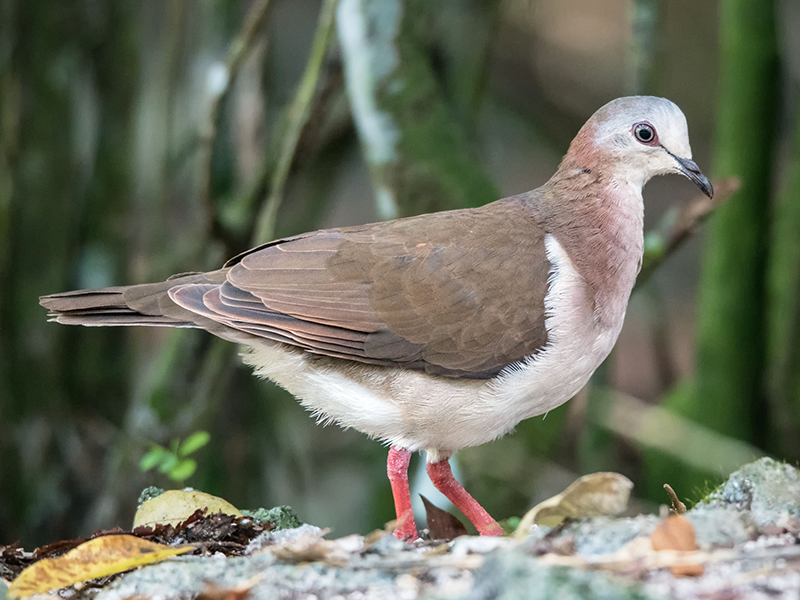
column 592, row 495
column 175, row 506
column 99, row 557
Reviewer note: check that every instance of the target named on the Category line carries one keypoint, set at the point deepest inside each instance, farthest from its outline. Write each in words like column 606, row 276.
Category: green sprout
column 174, row 461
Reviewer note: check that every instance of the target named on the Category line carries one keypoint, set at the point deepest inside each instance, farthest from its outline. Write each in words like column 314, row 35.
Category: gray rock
column 769, row 489
column 604, row 535
column 283, row 536
column 388, row 544
column 265, row 578
column 185, row 577
column 721, row 526
column 469, row 544
column 511, row 575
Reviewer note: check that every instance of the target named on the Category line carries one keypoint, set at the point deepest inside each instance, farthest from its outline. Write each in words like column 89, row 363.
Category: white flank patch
column 576, row 346
column 327, row 393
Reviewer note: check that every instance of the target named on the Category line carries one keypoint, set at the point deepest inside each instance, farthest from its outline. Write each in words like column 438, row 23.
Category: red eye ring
column 645, row 133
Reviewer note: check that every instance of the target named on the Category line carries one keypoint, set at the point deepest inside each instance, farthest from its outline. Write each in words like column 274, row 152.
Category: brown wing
column 458, row 293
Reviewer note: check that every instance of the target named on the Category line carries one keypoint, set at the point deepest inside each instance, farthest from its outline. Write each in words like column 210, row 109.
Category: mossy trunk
column 417, row 151
column 783, row 318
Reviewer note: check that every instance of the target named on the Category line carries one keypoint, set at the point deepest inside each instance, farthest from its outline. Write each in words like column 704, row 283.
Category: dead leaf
column 99, row 557
column 175, row 506
column 592, row 495
column 442, row 524
column 676, row 533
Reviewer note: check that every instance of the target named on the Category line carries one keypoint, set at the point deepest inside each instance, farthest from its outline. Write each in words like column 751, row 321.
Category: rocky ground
column 745, row 536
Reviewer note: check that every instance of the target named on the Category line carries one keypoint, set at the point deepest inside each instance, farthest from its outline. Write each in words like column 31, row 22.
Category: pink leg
column 443, row 480
column 397, row 469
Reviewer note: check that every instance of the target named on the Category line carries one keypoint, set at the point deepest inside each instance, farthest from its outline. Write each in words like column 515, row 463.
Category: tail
column 147, row 304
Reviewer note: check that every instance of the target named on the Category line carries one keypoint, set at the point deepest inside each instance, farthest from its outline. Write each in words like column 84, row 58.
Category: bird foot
column 442, row 478
column 397, row 469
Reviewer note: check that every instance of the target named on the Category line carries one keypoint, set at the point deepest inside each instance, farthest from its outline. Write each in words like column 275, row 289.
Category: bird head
column 641, row 136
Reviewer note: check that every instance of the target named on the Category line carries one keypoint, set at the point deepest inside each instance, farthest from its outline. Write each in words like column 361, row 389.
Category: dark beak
column 693, row 173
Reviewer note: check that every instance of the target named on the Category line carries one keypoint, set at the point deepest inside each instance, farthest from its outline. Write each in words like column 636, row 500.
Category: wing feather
column 418, row 293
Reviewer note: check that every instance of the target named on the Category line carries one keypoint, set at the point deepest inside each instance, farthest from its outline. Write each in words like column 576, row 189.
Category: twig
column 239, row 50
column 678, row 507
column 298, row 114
column 323, row 123
column 321, row 128
column 675, row 229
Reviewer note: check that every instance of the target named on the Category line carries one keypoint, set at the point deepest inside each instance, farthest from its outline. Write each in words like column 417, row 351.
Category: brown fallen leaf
column 442, row 524
column 13, row 559
column 676, row 533
column 99, row 557
column 212, row 533
column 592, row 495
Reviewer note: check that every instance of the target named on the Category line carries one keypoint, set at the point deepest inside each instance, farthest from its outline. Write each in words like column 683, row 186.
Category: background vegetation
column 144, row 138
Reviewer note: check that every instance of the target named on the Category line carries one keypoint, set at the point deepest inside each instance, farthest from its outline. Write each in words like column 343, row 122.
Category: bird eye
column 645, row 133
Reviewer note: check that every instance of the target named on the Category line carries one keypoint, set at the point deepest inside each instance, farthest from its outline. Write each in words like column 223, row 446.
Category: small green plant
column 174, row 461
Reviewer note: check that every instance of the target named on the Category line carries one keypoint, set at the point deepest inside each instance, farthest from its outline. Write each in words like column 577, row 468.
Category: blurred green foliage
column 174, row 462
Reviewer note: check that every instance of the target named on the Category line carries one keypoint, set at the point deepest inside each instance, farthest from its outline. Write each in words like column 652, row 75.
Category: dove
column 439, row 331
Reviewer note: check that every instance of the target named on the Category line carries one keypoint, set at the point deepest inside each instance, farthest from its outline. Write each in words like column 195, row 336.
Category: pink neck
column 598, row 220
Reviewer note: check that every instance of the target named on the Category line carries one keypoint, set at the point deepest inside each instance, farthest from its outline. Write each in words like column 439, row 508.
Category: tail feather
column 84, row 300
column 147, row 304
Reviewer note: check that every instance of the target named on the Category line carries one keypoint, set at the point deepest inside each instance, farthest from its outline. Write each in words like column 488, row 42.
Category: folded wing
column 418, row 293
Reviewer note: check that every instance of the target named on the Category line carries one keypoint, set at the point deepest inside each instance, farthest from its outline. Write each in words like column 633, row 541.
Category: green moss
column 281, row 517
column 149, row 493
